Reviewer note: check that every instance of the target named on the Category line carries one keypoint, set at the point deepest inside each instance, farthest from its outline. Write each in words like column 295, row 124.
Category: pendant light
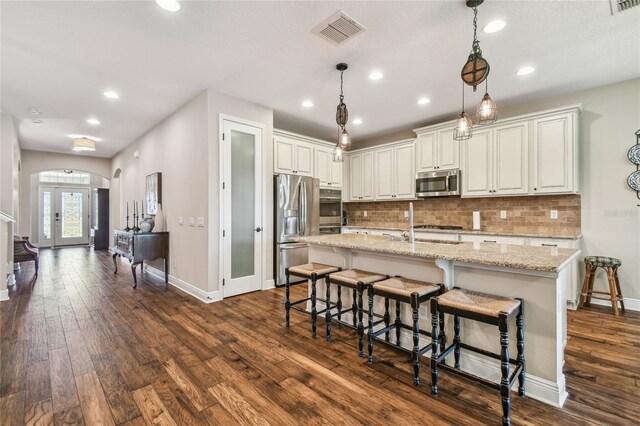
column 342, row 116
column 476, row 70
column 464, row 127
column 84, row 144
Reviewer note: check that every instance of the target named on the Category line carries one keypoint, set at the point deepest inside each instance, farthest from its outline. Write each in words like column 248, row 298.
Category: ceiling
column 61, row 56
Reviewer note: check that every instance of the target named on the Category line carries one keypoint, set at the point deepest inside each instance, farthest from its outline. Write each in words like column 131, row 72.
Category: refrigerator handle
column 303, row 209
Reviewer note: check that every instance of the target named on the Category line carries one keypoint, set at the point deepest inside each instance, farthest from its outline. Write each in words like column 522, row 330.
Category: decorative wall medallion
column 634, row 154
column 634, row 181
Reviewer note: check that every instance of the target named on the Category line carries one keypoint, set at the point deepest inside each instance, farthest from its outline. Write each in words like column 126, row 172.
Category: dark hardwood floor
column 81, row 346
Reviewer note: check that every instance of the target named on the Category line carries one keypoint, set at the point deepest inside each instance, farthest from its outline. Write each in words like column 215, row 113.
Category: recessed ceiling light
column 37, row 122
column 357, row 121
column 111, row 94
column 93, row 121
column 525, row 70
column 423, row 101
column 74, row 136
column 307, row 104
column 169, row 5
column 376, row 75
column 494, row 26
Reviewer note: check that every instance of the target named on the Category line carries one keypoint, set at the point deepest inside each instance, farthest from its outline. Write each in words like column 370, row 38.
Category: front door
column 242, row 208
column 64, row 216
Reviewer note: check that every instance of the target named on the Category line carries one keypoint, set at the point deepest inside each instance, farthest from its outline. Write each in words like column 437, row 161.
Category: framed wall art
column 154, row 192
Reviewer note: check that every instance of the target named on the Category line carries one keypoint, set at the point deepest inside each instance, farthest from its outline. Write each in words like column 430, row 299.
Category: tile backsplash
column 530, row 214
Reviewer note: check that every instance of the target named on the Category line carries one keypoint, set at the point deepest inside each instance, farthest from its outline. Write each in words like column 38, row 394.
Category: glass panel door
column 45, row 216
column 242, row 208
column 64, row 216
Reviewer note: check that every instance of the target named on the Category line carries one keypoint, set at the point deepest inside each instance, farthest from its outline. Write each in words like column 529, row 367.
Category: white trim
column 190, row 289
column 303, row 138
column 6, row 217
column 269, row 284
column 4, row 295
column 630, row 304
column 265, row 173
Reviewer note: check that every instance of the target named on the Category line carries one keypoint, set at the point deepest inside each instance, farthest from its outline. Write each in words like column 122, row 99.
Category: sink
column 428, row 240
column 397, row 238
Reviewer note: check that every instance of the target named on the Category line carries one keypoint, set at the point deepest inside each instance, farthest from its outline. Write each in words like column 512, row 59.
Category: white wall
column 223, row 104
column 178, row 148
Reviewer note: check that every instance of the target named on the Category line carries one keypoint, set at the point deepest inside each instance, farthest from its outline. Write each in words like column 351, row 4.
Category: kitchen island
column 535, row 274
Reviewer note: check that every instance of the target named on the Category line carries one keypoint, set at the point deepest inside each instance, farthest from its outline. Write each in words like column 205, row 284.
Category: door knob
column 258, row 229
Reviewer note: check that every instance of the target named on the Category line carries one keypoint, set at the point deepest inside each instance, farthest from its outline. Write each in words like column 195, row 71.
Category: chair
column 610, row 265
column 24, row 251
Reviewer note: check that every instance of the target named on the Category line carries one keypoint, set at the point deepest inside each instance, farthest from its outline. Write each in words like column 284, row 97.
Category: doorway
column 242, row 205
column 63, row 216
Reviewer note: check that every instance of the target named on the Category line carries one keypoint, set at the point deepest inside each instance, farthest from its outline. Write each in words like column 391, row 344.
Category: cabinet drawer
column 547, row 242
column 437, row 236
column 497, row 239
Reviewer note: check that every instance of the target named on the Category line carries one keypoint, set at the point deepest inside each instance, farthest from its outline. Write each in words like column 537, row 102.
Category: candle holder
column 127, row 228
column 136, row 228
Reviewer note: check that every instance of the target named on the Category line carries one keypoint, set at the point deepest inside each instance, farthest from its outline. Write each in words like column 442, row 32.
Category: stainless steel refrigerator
column 297, row 213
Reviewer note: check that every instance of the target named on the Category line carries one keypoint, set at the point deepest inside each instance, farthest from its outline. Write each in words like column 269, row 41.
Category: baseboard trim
column 4, row 295
column 190, row 289
column 630, row 304
column 269, row 284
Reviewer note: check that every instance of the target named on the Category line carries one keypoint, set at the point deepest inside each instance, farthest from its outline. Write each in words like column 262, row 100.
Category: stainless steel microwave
column 441, row 183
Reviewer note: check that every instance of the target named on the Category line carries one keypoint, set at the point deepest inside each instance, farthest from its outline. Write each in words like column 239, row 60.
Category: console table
column 141, row 246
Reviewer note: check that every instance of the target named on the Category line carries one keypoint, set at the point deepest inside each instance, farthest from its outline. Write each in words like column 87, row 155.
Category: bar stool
column 489, row 309
column 406, row 291
column 610, row 264
column 313, row 272
column 357, row 280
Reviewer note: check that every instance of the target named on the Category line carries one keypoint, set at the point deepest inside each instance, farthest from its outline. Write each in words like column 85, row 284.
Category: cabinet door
column 322, row 165
column 511, row 159
column 367, row 176
column 553, row 160
column 336, row 172
column 283, row 155
column 385, row 174
column 405, row 180
column 303, row 159
column 426, row 152
column 448, row 151
column 355, row 175
column 477, row 169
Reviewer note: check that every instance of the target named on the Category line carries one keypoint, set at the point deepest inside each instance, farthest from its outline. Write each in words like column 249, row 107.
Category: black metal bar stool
column 610, row 265
column 313, row 272
column 406, row 291
column 486, row 308
column 357, row 280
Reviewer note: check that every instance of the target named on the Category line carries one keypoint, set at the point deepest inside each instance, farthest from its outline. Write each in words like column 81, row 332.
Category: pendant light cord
column 341, row 83
column 463, row 97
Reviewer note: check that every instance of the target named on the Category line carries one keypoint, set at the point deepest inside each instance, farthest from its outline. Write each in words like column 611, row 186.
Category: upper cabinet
column 495, row 161
column 299, row 155
column 436, row 150
column 555, row 153
column 361, row 176
column 395, row 177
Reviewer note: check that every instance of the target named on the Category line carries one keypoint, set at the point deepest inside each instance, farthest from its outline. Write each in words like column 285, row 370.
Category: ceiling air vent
column 339, row 28
column 618, row 6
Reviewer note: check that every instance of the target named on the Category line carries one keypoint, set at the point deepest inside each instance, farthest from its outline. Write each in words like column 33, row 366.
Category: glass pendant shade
column 487, row 111
column 345, row 139
column 338, row 154
column 464, row 128
column 84, row 144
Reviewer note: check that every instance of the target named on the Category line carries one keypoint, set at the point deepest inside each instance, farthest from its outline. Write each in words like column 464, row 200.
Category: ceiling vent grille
column 339, row 28
column 618, row 6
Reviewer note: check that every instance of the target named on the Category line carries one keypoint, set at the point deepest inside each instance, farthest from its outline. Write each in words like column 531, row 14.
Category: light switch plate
column 200, row 221
column 192, row 221
column 553, row 214
column 181, row 220
column 503, row 214
column 406, row 214
column 364, row 213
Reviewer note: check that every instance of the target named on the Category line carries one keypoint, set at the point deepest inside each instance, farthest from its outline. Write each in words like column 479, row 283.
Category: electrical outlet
column 364, row 213
column 200, row 221
column 181, row 220
column 503, row 214
column 406, row 214
column 192, row 221
column 553, row 214
column 423, row 311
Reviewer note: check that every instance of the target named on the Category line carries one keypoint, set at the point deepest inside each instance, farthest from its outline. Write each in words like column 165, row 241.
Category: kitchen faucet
column 412, row 235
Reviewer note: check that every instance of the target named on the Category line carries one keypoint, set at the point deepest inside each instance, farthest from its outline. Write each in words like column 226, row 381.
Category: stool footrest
column 451, row 347
column 299, row 301
column 609, row 299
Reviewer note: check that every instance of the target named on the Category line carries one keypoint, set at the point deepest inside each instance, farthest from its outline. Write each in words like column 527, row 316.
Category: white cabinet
column 440, row 236
column 394, row 168
column 492, row 239
column 437, row 150
column 291, row 156
column 326, row 170
column 555, row 165
column 495, row 161
column 361, row 176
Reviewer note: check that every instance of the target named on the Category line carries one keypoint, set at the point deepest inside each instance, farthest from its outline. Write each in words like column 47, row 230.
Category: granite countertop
column 547, row 259
column 559, row 236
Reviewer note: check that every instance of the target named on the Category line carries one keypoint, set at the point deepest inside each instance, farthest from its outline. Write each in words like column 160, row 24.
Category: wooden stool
column 610, row 264
column 357, row 280
column 313, row 272
column 407, row 291
column 485, row 308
